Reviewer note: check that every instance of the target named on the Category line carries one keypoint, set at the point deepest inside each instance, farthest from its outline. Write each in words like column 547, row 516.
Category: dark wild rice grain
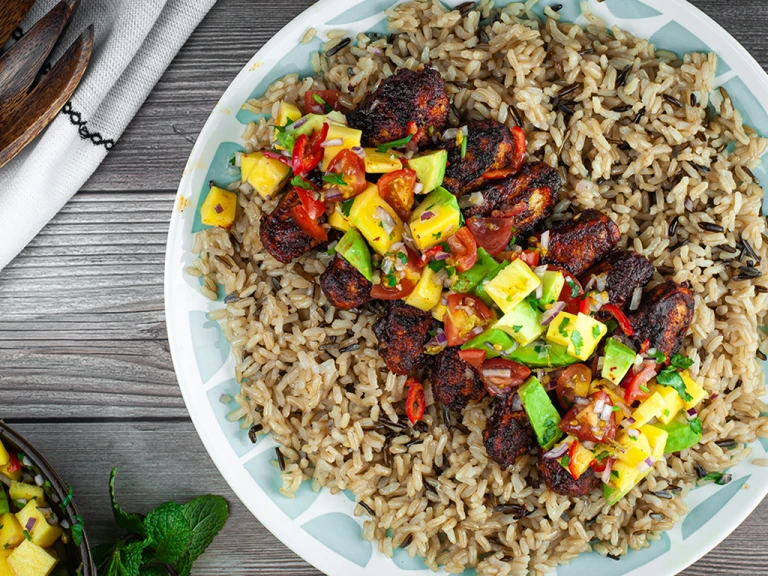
column 350, row 348
column 229, row 298
column 622, row 76
column 565, row 90
column 367, row 508
column 664, row 494
column 407, row 541
column 614, row 557
column 727, row 444
column 345, row 42
column 276, row 284
column 672, row 100
column 728, row 249
column 761, row 290
column 694, row 101
column 762, row 355
column 253, row 433
column 711, row 227
column 465, row 8
column 557, row 7
column 749, row 249
column 639, row 116
column 673, row 226
column 280, row 459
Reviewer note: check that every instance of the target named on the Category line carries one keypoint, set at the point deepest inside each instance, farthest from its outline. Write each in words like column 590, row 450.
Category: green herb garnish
column 346, row 207
column 595, row 332
column 517, row 328
column 670, row 377
column 436, row 265
column 562, row 327
column 657, row 355
column 464, row 139
column 394, row 144
column 333, row 178
column 577, row 340
column 681, row 362
column 573, row 286
column 299, row 182
column 696, row 426
column 67, row 498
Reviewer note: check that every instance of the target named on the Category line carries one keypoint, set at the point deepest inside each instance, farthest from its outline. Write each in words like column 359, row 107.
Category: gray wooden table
column 85, row 371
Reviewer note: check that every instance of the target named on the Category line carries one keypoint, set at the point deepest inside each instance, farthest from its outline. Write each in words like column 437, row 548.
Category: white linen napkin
column 134, row 42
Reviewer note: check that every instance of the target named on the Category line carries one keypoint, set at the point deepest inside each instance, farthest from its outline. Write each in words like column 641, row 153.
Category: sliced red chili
column 279, row 157
column 572, row 459
column 519, row 155
column 634, row 383
column 621, row 318
column 415, row 406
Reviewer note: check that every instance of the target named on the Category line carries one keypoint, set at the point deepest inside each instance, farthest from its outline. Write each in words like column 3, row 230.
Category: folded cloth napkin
column 134, row 42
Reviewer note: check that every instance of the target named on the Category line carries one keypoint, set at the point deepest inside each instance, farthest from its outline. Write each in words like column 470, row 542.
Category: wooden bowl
column 77, row 555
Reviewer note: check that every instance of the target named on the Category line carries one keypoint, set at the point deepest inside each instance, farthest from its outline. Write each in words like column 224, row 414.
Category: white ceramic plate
column 320, row 527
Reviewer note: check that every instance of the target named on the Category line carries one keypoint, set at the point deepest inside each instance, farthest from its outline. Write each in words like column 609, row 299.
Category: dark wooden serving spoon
column 27, row 107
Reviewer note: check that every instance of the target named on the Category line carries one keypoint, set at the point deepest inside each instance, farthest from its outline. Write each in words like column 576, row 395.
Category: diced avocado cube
column 586, row 335
column 286, row 114
column 22, row 491
column 430, row 169
column 623, row 479
column 618, row 360
column 542, row 414
column 681, row 433
column 4, row 456
column 381, row 162
column 523, row 323
column 266, row 175
column 435, row 219
column 11, row 532
column 42, row 533
column 354, row 250
column 493, row 341
column 512, row 284
column 694, row 389
column 672, row 403
column 426, row 295
column 657, row 439
column 364, row 215
column 650, row 408
column 350, row 138
column 479, row 290
column 636, row 449
column 219, row 208
column 559, row 330
column 5, row 505
column 552, row 283
column 542, row 356
column 465, row 282
column 30, row 559
column 337, row 220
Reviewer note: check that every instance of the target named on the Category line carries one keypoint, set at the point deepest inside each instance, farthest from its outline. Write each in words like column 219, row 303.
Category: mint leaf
column 669, row 377
column 77, row 529
column 206, row 516
column 102, row 553
column 154, row 571
column 681, row 362
column 133, row 523
column 168, row 532
column 125, row 560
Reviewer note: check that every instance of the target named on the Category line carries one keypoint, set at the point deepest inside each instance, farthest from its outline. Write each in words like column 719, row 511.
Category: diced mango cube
column 623, row 479
column 5, row 568
column 4, row 456
column 337, row 220
column 559, row 330
column 650, row 408
column 366, row 216
column 219, row 208
column 286, row 114
column 673, row 403
column 350, row 138
column 636, row 448
column 266, row 175
column 438, row 312
column 581, row 457
column 694, row 389
column 512, row 284
column 585, row 336
column 381, row 162
column 42, row 533
column 427, row 293
column 657, row 440
column 435, row 219
column 30, row 559
column 21, row 491
column 11, row 532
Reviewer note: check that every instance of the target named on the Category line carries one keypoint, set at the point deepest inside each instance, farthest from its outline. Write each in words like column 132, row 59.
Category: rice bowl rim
column 222, row 126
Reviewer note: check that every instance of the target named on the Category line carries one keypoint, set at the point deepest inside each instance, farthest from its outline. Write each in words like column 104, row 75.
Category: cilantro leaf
column 573, row 286
column 403, row 257
column 681, row 362
column 670, row 377
column 206, row 516
column 333, row 178
column 517, row 328
column 595, row 332
column 285, row 138
column 394, row 144
column 156, row 571
column 696, row 426
column 562, row 327
column 657, row 355
column 299, row 182
column 464, row 139
column 577, row 340
column 346, row 207
column 719, row 478
column 168, row 532
column 436, row 265
column 133, row 523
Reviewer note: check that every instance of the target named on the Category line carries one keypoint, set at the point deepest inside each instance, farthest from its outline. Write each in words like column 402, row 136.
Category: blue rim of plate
column 318, row 526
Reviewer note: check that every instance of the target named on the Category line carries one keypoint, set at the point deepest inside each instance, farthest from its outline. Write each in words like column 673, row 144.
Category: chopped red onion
column 359, row 151
column 605, row 415
column 427, row 215
column 218, row 209
column 442, row 256
column 606, row 477
column 45, row 510
column 599, row 405
column 645, row 464
column 588, row 445
column 387, row 222
column 544, row 242
column 374, row 105
column 591, row 284
column 299, row 123
column 65, row 524
column 633, row 433
column 539, row 292
column 511, row 349
column 627, row 422
column 450, row 134
column 418, row 188
column 637, row 295
column 539, row 271
column 581, row 401
column 52, row 519
column 557, row 451
column 688, row 204
column 332, row 142
column 39, row 480
column 691, row 413
column 600, row 281
column 476, row 331
column 517, row 404
column 30, row 524
column 332, row 195
column 552, row 313
column 713, row 396
column 497, row 372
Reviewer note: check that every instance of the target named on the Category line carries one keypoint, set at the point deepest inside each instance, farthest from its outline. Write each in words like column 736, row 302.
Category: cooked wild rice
column 629, row 128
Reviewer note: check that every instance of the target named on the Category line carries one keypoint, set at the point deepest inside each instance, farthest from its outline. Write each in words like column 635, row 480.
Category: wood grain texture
column 85, row 370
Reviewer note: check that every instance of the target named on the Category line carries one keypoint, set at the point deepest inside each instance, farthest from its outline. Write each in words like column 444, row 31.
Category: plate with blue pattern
column 321, row 527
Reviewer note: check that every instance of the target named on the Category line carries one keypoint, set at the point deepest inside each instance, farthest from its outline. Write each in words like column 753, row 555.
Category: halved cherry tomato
column 404, row 277
column 584, row 305
column 634, row 382
column 473, row 357
column 572, row 459
column 572, row 291
column 308, row 152
column 530, row 257
column 573, row 382
column 463, row 249
column 466, row 317
column 621, row 318
column 492, row 234
column 397, row 189
column 519, row 155
column 500, row 375
column 13, row 464
column 586, row 424
column 309, row 225
column 309, row 199
column 313, row 101
column 351, row 168
column 414, row 402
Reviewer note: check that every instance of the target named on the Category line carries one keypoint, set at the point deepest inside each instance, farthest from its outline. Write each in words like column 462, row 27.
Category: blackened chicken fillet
column 623, row 271
column 280, row 234
column 664, row 316
column 508, row 433
column 579, row 243
column 344, row 286
column 402, row 333
column 454, row 382
column 560, row 481
column 404, row 101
